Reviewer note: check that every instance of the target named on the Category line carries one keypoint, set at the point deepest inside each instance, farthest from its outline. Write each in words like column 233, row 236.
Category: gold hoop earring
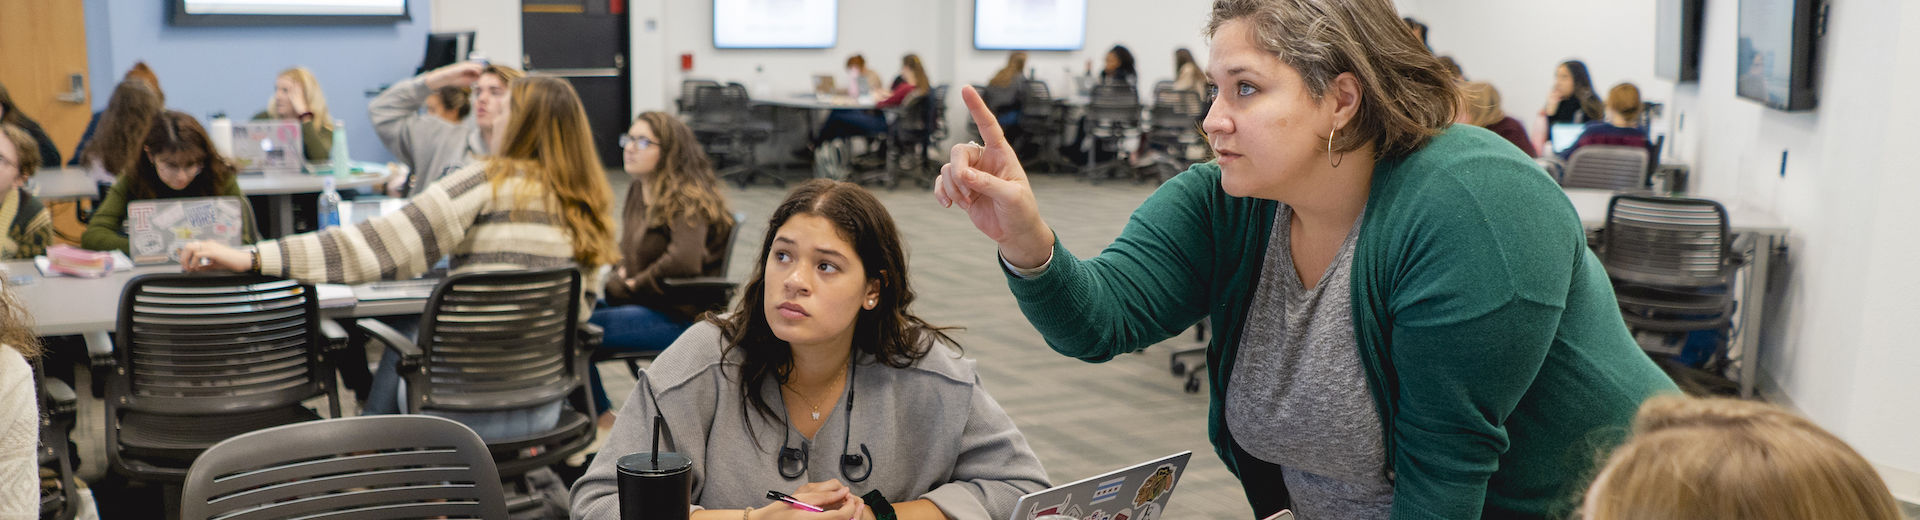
column 1331, row 158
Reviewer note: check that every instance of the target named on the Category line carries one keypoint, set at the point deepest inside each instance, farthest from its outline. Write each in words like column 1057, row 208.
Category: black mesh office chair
column 202, row 358
column 57, row 404
column 500, row 342
column 1672, row 261
column 689, row 90
column 1607, row 167
column 723, row 120
column 1042, row 122
column 382, row 466
column 1172, row 130
column 712, row 292
column 1113, row 113
column 914, row 130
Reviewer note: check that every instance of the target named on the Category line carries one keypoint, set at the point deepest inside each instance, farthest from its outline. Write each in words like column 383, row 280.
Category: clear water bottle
column 329, row 206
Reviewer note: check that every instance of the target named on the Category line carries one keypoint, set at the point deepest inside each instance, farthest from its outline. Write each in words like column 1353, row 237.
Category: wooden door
column 45, row 66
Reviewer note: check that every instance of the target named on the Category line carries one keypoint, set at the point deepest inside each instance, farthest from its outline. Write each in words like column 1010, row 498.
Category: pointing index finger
column 983, row 117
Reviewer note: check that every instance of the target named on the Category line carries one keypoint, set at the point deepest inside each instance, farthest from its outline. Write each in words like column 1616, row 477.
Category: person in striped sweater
column 542, row 202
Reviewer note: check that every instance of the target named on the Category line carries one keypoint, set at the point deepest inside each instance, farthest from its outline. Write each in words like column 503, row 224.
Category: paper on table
column 334, row 295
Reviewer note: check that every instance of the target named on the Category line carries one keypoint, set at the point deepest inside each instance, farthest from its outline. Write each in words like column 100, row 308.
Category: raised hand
column 988, row 182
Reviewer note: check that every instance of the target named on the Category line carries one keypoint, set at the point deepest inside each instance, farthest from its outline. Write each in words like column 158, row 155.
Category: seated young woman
column 29, row 228
column 823, row 384
column 675, row 224
column 297, row 97
column 176, row 161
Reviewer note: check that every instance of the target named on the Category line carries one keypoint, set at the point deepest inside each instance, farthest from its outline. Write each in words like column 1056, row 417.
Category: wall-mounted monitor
column 1029, row 25
column 775, row 24
column 1676, row 39
column 1774, row 63
column 286, row 12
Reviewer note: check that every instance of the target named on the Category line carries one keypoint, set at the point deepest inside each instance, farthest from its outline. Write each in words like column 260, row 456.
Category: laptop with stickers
column 1138, row 492
column 268, row 147
column 157, row 228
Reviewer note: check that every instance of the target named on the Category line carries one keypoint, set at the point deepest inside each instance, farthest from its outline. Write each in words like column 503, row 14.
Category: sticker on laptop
column 1149, row 511
column 1108, row 490
column 1154, row 486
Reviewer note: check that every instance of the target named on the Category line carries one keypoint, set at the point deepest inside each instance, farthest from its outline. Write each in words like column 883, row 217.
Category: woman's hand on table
column 209, row 256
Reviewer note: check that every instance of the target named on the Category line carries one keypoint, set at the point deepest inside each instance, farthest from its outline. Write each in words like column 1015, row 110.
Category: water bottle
column 342, row 160
column 220, row 131
column 329, row 206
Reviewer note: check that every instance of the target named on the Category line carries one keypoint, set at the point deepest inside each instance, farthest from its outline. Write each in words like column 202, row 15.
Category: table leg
column 1759, row 278
column 282, row 214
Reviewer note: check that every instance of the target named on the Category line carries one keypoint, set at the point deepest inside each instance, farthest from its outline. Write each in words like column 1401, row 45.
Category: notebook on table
column 1137, row 492
column 157, row 228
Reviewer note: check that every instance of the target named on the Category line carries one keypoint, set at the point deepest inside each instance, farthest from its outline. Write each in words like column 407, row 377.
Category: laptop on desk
column 157, row 228
column 268, row 147
column 1137, row 492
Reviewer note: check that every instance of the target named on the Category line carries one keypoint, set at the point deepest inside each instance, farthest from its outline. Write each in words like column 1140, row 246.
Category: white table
column 812, row 102
column 278, row 188
column 62, row 183
column 1767, row 237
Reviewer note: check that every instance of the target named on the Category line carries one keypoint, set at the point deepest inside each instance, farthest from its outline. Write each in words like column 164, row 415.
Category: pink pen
column 783, row 497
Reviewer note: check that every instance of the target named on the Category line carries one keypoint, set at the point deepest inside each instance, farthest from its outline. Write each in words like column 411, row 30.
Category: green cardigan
column 105, row 230
column 1489, row 333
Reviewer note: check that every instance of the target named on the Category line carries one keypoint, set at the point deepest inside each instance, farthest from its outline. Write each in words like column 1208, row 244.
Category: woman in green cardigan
column 1410, row 324
column 177, row 161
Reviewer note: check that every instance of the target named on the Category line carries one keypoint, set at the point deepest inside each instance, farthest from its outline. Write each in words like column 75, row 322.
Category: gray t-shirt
column 1298, row 396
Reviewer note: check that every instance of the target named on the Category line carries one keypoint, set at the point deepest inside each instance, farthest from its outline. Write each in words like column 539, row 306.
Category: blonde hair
column 684, row 184
column 1407, row 95
column 309, row 88
column 16, row 326
column 918, row 73
column 1016, row 64
column 1481, row 103
column 548, row 143
column 1728, row 459
column 1624, row 99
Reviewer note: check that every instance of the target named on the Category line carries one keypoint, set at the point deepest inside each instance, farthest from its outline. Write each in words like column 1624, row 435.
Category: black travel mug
column 655, row 487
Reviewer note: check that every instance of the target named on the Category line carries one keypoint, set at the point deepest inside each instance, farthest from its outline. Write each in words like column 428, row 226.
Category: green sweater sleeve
column 1149, row 284
column 104, row 231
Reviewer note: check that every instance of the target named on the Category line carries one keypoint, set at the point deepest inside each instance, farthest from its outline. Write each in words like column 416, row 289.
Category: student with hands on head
column 823, row 382
column 1411, row 323
column 431, row 146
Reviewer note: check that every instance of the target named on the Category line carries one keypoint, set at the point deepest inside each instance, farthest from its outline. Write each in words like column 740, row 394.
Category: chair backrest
column 1607, row 167
column 1037, row 101
column 733, row 239
column 921, row 115
column 192, row 344
column 1676, row 242
column 689, row 89
column 1114, row 104
column 499, row 341
column 380, row 466
column 1175, row 112
column 719, row 105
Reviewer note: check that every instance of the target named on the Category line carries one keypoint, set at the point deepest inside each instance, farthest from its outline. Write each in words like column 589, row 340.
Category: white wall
column 880, row 30
column 496, row 26
column 1838, row 348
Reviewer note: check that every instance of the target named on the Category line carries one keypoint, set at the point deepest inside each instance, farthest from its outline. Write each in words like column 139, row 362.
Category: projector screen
column 775, row 24
column 1029, row 25
column 287, row 12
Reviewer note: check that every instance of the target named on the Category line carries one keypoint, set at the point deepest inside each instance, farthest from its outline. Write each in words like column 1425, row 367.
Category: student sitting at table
column 541, row 203
column 176, row 161
column 297, row 97
column 29, row 226
column 764, row 398
column 429, row 145
column 138, row 73
column 842, row 124
column 123, row 125
column 1621, row 126
column 675, row 224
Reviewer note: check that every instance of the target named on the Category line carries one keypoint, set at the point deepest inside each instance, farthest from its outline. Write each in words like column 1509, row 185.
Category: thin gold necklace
column 810, row 402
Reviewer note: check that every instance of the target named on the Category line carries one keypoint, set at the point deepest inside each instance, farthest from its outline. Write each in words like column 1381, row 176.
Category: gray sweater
column 430, row 146
column 933, row 432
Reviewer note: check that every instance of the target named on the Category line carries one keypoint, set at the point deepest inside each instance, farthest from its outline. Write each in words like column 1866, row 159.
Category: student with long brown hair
column 176, row 160
column 29, row 227
column 297, row 97
column 1411, row 324
column 115, row 148
column 824, row 383
column 542, row 202
column 140, row 72
column 1727, row 459
column 675, row 224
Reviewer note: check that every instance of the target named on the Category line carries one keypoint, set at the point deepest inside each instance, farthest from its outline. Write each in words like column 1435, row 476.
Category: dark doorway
column 584, row 42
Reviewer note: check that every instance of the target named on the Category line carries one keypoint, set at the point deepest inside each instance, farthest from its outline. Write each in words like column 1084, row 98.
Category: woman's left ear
column 1346, row 94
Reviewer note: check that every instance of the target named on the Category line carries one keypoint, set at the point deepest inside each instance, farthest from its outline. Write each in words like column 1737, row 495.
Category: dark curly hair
column 175, row 132
column 889, row 333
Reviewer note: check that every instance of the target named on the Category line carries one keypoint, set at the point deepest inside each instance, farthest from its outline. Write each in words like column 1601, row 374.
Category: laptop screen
column 1138, row 492
column 1565, row 134
column 268, row 146
column 156, row 229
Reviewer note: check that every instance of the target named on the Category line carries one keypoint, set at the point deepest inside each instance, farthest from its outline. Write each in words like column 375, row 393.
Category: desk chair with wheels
column 202, row 358
column 380, row 466
column 914, row 130
column 1172, row 131
column 689, row 90
column 1113, row 115
column 1672, row 261
column 1607, row 167
column 722, row 120
column 1042, row 121
column 711, row 292
column 498, row 343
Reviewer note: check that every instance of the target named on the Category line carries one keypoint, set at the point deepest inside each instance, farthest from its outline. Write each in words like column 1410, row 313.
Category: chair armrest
column 335, row 335
column 590, row 336
column 1742, row 250
column 99, row 348
column 410, row 353
column 1555, row 168
column 61, row 396
column 697, row 282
